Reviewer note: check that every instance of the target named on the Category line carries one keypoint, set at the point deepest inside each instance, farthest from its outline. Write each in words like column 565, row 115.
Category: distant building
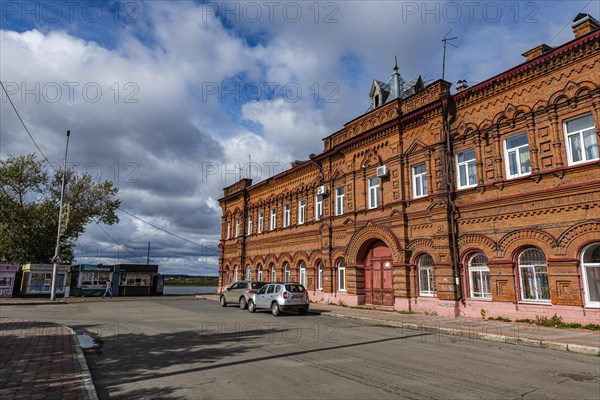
column 481, row 203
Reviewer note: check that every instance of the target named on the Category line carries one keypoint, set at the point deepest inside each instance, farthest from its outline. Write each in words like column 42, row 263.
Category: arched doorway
column 379, row 277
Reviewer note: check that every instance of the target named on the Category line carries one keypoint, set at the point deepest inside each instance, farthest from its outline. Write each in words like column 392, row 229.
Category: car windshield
column 258, row 285
column 294, row 288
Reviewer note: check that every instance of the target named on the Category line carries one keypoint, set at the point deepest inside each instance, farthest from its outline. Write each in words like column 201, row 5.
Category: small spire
column 396, row 63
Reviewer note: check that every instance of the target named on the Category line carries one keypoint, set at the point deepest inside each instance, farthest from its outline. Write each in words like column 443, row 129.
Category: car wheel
column 243, row 303
column 275, row 309
column 223, row 302
column 303, row 311
column 251, row 306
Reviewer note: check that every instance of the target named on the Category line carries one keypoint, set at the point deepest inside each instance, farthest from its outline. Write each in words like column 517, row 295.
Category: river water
column 189, row 289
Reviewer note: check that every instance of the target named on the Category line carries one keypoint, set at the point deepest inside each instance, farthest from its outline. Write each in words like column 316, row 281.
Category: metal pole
column 148, row 256
column 60, row 211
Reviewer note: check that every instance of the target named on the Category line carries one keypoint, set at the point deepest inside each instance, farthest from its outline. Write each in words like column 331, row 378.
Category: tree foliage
column 29, row 208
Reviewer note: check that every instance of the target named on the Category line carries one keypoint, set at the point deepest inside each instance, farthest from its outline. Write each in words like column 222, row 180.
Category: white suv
column 280, row 297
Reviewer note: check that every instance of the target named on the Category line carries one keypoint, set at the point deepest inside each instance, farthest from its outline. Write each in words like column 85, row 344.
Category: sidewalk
column 41, row 360
column 580, row 341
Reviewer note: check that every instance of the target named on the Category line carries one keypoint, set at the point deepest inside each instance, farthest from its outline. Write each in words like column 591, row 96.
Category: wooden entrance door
column 379, row 281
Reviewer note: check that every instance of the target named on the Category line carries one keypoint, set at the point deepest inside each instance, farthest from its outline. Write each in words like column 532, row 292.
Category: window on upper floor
column 419, row 181
column 286, row 215
column 301, row 211
column 261, row 218
column 250, row 225
column 373, row 192
column 318, row 207
column 516, row 156
column 582, row 145
column 228, row 230
column 339, row 201
column 465, row 167
column 237, row 227
column 273, row 219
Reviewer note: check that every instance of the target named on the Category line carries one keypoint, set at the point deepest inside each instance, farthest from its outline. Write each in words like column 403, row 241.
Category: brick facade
column 531, row 226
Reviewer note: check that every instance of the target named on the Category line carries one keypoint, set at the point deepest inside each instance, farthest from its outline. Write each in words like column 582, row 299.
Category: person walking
column 108, row 289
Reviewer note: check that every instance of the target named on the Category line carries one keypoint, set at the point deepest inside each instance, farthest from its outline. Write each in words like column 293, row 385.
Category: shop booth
column 8, row 274
column 37, row 279
column 89, row 280
column 136, row 279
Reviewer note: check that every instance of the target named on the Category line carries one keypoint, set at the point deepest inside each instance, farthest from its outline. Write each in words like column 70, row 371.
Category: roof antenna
column 445, row 40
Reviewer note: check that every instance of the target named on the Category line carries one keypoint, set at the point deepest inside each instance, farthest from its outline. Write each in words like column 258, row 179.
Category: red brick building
column 481, row 203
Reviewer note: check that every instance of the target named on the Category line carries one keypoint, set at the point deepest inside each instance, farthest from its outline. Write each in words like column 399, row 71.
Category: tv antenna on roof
column 446, row 39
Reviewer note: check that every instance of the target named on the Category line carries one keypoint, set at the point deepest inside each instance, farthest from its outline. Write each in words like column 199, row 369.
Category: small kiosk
column 37, row 279
column 135, row 279
column 89, row 280
column 8, row 274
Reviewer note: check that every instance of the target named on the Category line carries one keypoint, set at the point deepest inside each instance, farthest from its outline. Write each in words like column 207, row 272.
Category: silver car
column 239, row 293
column 280, row 297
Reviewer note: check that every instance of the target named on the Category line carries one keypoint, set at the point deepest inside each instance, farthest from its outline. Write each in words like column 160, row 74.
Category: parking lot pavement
column 42, row 360
column 580, row 341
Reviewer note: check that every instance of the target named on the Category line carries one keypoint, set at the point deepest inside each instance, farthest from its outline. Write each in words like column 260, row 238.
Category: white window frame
column 248, row 273
column 466, row 166
column 273, row 273
column 286, row 215
column 429, row 272
column 228, row 231
column 237, row 227
column 535, row 271
column 302, row 269
column 419, row 181
column 301, row 211
column 589, row 303
column 373, row 195
column 235, row 273
column 478, row 265
column 318, row 207
column 320, row 276
column 588, row 132
column 339, row 200
column 341, row 273
column 249, row 225
column 516, row 152
column 261, row 219
column 287, row 277
column 273, row 219
column 259, row 273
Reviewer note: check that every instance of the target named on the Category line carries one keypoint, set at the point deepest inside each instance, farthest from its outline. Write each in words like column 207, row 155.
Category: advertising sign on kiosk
column 88, row 280
column 136, row 279
column 37, row 279
column 8, row 274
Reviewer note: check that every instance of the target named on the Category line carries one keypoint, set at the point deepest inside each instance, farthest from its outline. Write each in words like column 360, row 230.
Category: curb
column 86, row 375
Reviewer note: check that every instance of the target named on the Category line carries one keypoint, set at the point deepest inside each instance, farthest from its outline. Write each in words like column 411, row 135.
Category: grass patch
column 556, row 322
column 503, row 319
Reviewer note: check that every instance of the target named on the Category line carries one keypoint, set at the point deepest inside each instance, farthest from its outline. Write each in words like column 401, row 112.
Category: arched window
column 259, row 276
column 319, row 275
column 302, row 268
column 235, row 273
column 226, row 277
column 273, row 273
column 534, row 275
column 590, row 269
column 426, row 276
column 286, row 272
column 479, row 276
column 341, row 273
column 248, row 273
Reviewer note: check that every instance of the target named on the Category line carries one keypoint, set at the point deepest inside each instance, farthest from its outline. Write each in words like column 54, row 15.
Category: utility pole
column 56, row 257
column 445, row 40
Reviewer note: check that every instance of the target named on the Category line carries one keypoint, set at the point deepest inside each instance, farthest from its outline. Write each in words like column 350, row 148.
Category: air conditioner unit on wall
column 322, row 190
column 382, row 171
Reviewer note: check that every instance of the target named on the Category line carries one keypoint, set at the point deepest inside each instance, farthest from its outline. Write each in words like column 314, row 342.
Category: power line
column 25, row 126
column 563, row 28
column 118, row 244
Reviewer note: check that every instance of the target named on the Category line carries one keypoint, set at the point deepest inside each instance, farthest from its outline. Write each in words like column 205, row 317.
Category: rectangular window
column 426, row 281
column 480, row 283
column 373, row 192
column 516, row 154
column 301, row 211
column 581, row 140
column 318, row 207
column 419, row 181
column 286, row 215
column 237, row 227
column 339, row 201
column 465, row 165
column 273, row 219
column 260, row 222
column 250, row 225
column 228, row 230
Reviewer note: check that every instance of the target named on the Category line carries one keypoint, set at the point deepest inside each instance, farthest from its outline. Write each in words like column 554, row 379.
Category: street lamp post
column 56, row 257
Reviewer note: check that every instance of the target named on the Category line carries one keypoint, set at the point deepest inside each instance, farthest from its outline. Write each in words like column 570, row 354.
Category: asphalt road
column 184, row 348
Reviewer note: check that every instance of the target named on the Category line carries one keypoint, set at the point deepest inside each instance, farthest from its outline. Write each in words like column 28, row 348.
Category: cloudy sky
column 167, row 99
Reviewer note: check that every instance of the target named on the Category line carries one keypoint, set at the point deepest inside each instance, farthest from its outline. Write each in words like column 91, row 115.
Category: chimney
column 584, row 24
column 461, row 85
column 536, row 51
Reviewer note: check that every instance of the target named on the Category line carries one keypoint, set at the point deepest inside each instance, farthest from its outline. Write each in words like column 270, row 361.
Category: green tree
column 29, row 207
